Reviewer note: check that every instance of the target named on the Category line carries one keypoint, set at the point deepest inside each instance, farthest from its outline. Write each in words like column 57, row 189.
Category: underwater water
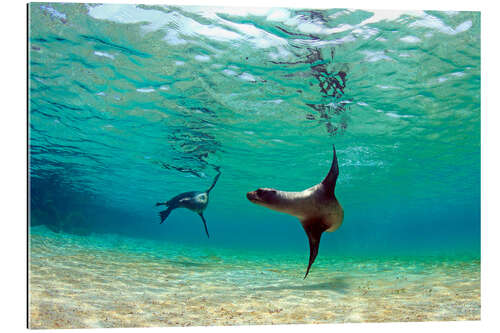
column 132, row 105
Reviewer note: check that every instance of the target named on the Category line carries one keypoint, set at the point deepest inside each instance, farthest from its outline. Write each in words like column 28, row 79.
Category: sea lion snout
column 252, row 196
column 257, row 196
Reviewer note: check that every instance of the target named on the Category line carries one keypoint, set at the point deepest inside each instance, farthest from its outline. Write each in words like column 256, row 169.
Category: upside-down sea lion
column 195, row 201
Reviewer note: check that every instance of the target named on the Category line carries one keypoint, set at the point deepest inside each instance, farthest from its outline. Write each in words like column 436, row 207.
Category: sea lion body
column 196, row 201
column 317, row 207
column 312, row 203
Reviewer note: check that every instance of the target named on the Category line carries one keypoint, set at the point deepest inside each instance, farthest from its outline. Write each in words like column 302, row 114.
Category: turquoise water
column 132, row 105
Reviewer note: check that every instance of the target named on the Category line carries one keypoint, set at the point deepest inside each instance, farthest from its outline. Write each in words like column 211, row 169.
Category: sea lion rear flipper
column 314, row 229
column 204, row 223
column 331, row 178
column 165, row 213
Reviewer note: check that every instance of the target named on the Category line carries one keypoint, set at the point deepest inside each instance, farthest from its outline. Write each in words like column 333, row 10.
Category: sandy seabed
column 77, row 282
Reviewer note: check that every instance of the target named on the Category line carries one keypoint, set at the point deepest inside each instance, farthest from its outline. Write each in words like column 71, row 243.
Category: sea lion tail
column 160, row 204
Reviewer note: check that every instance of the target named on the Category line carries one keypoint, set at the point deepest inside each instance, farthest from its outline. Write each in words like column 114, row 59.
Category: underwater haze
column 130, row 105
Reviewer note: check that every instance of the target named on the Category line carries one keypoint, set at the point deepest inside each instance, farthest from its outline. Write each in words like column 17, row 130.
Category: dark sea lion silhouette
column 194, row 200
column 317, row 207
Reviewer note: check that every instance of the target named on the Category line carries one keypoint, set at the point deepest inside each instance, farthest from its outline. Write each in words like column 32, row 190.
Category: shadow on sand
column 186, row 263
column 337, row 284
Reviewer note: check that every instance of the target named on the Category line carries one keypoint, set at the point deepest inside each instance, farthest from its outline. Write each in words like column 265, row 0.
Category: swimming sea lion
column 317, row 207
column 194, row 200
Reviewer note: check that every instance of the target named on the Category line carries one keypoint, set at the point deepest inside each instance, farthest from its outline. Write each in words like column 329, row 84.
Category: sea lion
column 195, row 201
column 317, row 208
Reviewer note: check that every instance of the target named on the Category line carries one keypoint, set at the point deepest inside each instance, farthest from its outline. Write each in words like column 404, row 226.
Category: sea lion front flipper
column 331, row 178
column 204, row 223
column 214, row 181
column 165, row 213
column 314, row 229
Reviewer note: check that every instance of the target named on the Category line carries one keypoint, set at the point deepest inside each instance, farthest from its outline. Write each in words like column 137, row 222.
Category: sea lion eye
column 259, row 192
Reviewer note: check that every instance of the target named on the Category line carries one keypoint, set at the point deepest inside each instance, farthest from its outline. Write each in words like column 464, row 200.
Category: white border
column 13, row 172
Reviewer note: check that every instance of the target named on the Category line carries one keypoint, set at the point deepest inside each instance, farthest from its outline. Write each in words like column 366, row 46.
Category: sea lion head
column 201, row 198
column 267, row 197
